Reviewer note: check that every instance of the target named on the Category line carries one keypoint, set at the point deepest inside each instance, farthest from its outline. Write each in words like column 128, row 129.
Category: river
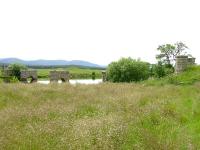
column 80, row 81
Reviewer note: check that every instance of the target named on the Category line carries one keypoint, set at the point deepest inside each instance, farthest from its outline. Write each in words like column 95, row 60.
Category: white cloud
column 97, row 31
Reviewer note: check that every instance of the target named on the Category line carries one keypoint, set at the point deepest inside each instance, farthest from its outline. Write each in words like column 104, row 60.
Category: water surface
column 81, row 81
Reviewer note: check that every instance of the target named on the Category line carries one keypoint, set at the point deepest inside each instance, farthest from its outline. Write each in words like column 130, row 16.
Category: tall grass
column 104, row 116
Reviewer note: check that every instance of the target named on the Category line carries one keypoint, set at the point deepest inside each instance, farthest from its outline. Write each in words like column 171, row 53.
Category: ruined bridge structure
column 54, row 76
column 24, row 75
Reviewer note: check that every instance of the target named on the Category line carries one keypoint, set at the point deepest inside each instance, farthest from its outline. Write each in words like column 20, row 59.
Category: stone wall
column 191, row 61
column 59, row 75
column 183, row 62
column 25, row 74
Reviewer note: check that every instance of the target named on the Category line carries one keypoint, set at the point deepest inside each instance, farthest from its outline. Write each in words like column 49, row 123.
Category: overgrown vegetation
column 105, row 116
column 128, row 70
column 190, row 76
column 15, row 75
column 160, row 70
column 166, row 59
column 16, row 68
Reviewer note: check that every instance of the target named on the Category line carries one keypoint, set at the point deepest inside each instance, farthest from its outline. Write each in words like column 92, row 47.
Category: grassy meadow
column 147, row 115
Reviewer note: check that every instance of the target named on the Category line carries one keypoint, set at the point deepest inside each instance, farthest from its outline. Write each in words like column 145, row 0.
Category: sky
column 99, row 31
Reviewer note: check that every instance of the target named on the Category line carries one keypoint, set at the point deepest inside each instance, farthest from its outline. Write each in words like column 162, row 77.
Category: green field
column 155, row 114
column 76, row 73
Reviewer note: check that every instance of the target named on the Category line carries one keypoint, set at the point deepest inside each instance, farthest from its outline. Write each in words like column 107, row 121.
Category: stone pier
column 54, row 76
column 183, row 62
column 25, row 74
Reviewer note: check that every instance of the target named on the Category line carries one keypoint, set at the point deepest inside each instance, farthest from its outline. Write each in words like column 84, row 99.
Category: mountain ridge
column 44, row 62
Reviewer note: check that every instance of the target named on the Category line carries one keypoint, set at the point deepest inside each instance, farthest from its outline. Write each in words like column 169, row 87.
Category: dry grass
column 104, row 116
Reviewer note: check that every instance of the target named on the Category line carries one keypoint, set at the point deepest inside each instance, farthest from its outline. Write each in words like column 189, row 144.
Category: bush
column 160, row 70
column 127, row 70
column 16, row 68
column 93, row 75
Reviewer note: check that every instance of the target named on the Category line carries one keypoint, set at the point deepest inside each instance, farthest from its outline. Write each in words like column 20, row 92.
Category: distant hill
column 42, row 62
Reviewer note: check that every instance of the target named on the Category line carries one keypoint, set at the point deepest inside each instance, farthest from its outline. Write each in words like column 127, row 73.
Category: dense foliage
column 160, row 70
column 127, row 70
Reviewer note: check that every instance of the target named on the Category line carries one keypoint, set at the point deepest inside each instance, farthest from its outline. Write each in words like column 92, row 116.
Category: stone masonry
column 59, row 75
column 183, row 62
column 25, row 74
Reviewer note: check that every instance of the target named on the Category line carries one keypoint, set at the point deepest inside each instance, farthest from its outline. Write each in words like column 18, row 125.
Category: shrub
column 93, row 75
column 127, row 70
column 161, row 70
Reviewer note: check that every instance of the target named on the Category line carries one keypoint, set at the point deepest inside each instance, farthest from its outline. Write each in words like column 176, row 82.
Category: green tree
column 168, row 52
column 127, row 70
column 16, row 68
